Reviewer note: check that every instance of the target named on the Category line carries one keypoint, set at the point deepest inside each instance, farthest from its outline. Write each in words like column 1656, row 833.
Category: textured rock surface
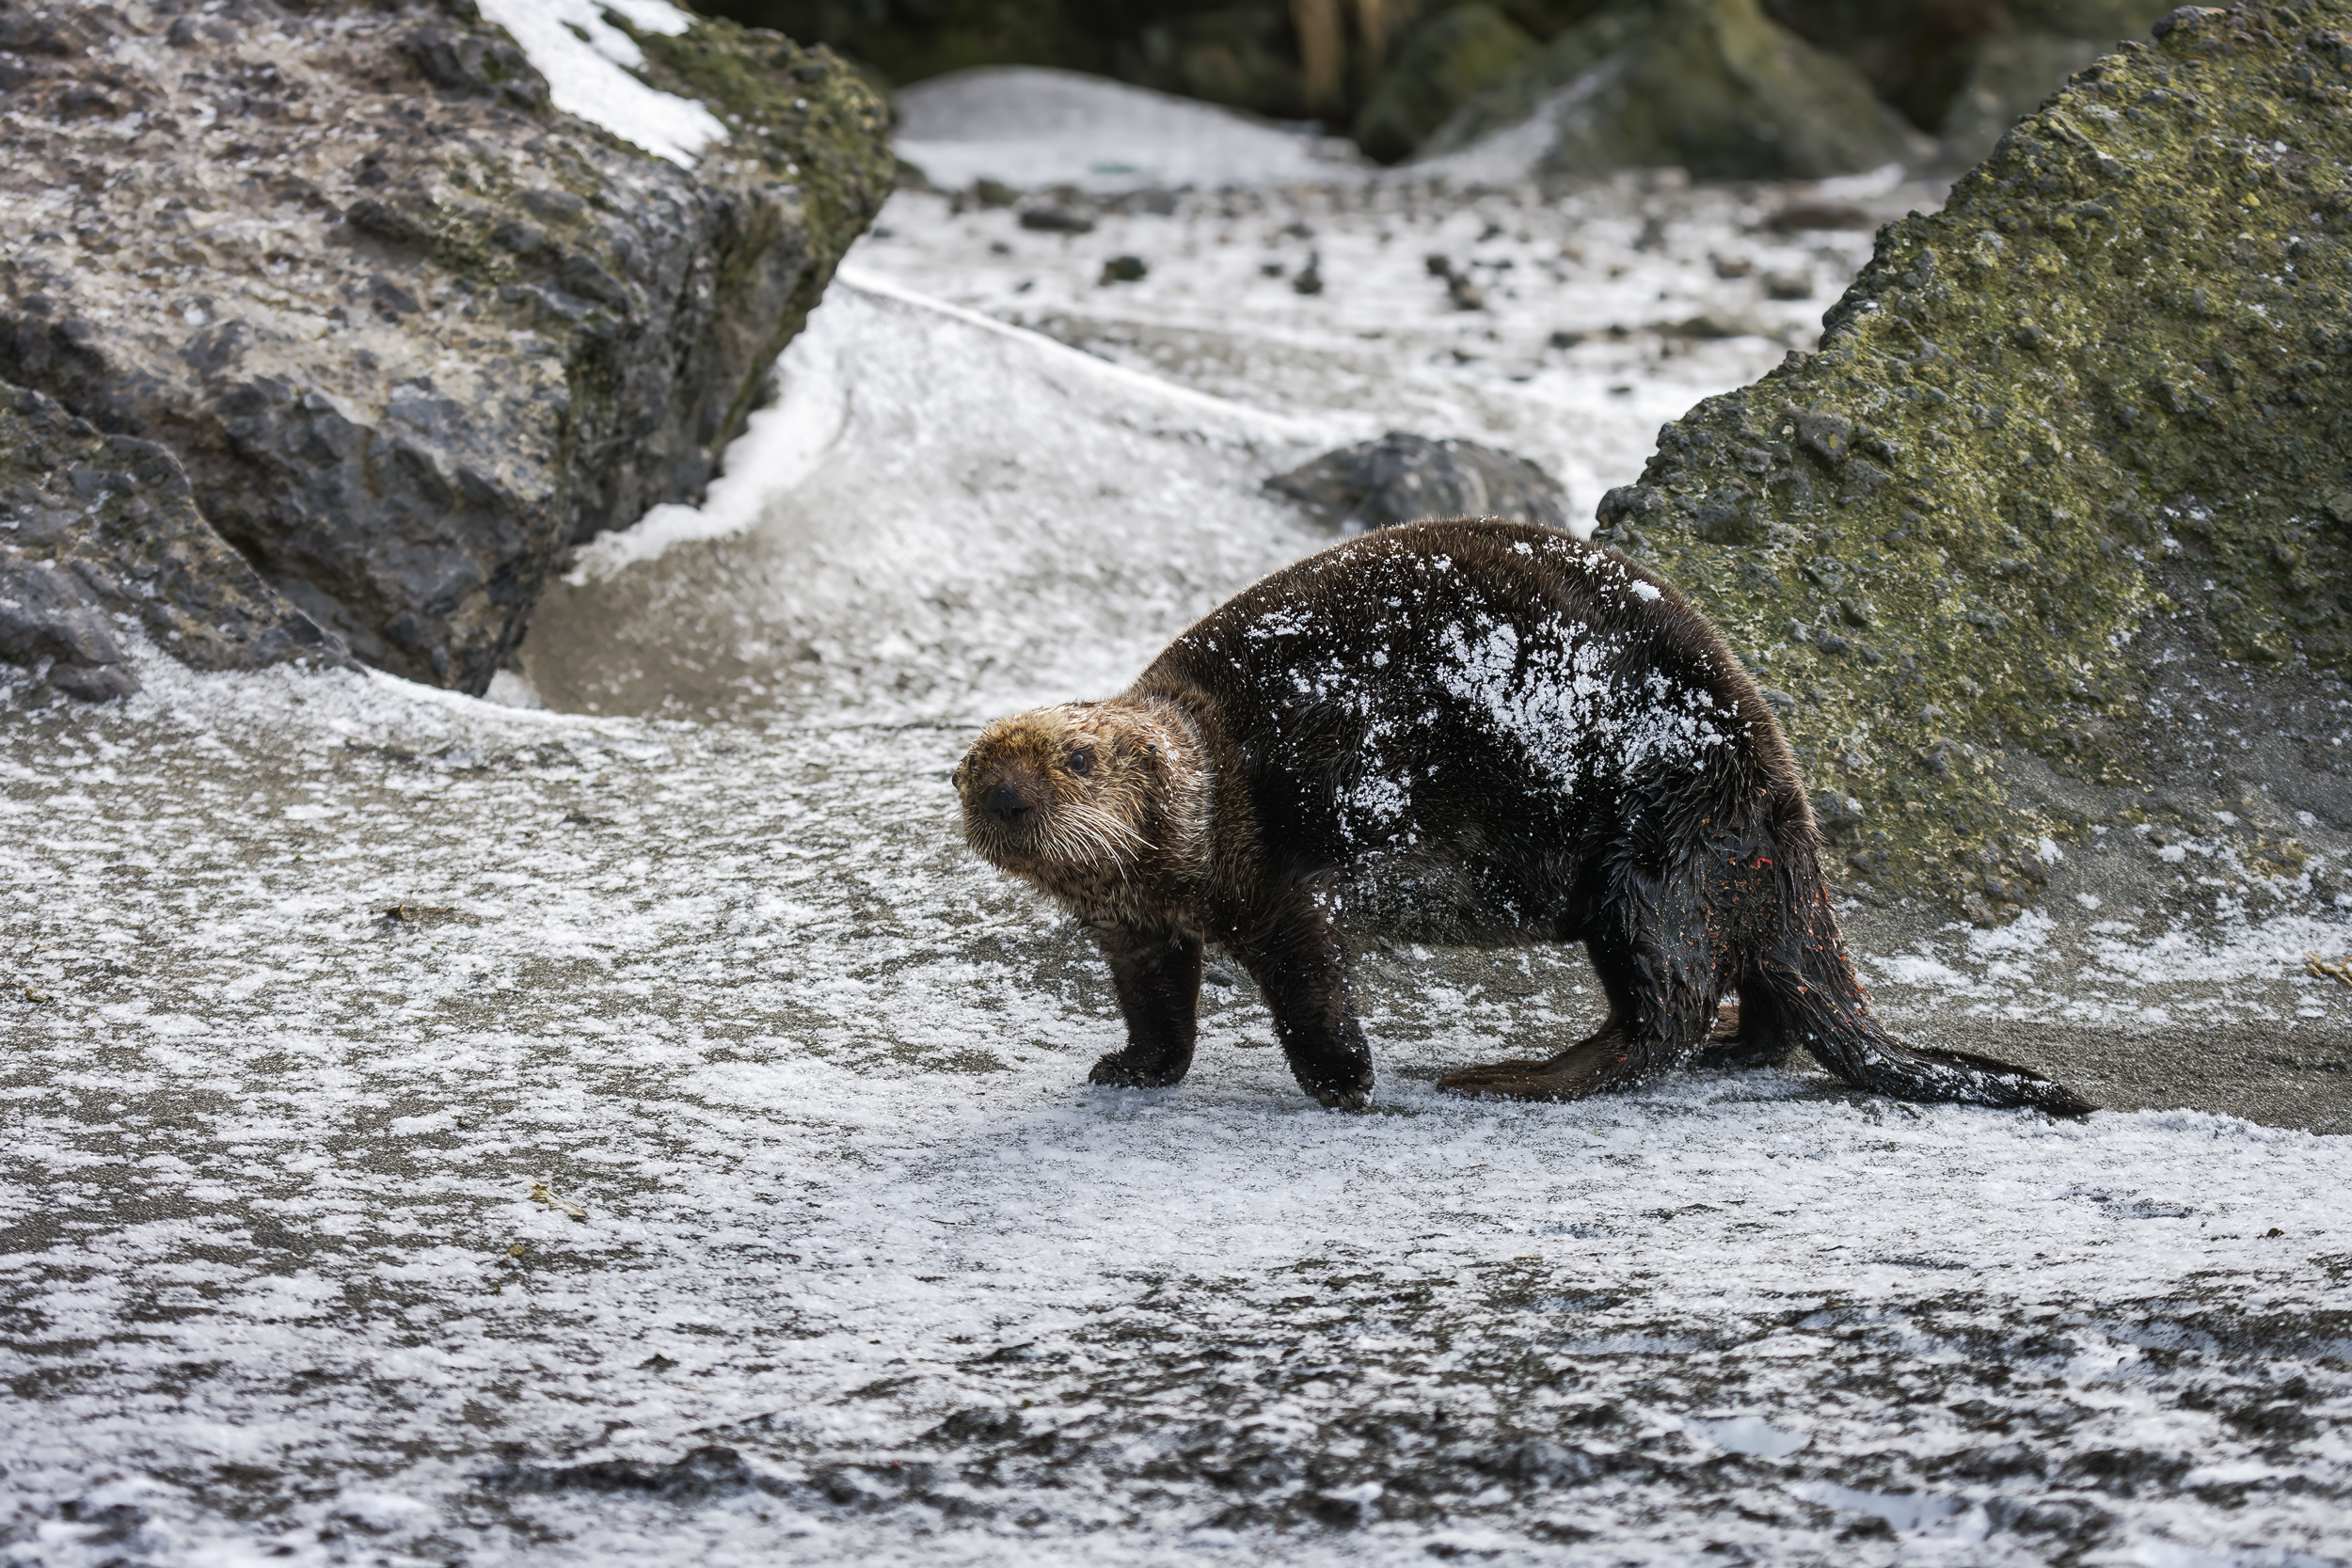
column 2079, row 431
column 100, row 532
column 1401, row 479
column 410, row 331
column 1710, row 86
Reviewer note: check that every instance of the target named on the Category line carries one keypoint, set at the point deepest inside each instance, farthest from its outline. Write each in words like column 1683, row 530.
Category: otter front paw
column 1119, row 1070
column 1344, row 1100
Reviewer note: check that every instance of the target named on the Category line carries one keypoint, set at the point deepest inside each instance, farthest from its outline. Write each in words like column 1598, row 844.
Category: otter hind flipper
column 1592, row 1065
column 1882, row 1064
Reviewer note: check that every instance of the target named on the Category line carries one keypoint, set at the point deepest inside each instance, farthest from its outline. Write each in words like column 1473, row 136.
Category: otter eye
column 1082, row 763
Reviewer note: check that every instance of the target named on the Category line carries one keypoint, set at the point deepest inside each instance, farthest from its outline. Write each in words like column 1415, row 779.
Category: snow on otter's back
column 1560, row 707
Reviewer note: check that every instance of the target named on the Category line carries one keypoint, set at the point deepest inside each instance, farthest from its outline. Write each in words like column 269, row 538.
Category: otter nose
column 1005, row 803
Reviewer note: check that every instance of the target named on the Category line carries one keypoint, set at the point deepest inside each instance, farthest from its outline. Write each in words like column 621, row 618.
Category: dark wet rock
column 1057, row 220
column 2071, row 1519
column 1448, row 57
column 100, row 539
column 700, row 1474
column 1124, row 269
column 410, row 332
column 1401, row 479
column 1538, row 1462
column 1713, row 86
column 1801, row 216
column 2094, row 409
column 978, row 1425
column 1711, row 324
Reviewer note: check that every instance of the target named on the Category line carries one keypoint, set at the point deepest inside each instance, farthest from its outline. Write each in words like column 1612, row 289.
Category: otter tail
column 1869, row 1057
column 1811, row 988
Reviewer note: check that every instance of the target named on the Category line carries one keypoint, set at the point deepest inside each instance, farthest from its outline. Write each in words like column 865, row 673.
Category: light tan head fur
column 1102, row 805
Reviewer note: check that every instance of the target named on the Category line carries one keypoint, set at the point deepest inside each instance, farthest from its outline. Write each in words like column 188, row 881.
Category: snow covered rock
column 96, row 529
column 1402, row 478
column 1449, row 57
column 2067, row 463
column 411, row 324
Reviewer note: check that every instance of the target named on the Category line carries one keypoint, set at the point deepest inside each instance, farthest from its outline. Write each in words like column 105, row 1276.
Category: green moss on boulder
column 1446, row 59
column 2108, row 381
column 1713, row 86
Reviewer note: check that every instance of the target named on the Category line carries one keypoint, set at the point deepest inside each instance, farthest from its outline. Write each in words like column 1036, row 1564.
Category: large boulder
column 411, row 329
column 1920, row 55
column 99, row 535
column 1403, row 477
column 2084, row 427
column 1712, row 86
column 1447, row 58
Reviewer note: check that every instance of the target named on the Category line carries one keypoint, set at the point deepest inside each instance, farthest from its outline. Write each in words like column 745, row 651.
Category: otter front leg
column 1301, row 966
column 1157, row 975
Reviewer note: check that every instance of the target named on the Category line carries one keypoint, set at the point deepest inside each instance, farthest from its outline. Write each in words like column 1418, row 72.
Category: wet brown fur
column 1199, row 810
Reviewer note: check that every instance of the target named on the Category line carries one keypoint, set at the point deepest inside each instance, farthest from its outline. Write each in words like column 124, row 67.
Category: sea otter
column 1466, row 732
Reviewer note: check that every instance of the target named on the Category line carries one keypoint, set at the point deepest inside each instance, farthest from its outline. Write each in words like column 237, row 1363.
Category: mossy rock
column 1245, row 57
column 408, row 332
column 1446, row 59
column 2106, row 382
column 1713, row 86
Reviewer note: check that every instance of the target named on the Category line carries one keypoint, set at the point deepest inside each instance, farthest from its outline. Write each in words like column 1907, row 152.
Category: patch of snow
column 588, row 61
column 1030, row 126
column 1750, row 1435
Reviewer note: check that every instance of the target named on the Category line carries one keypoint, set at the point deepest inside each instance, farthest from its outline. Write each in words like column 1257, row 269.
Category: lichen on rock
column 411, row 332
column 2105, row 385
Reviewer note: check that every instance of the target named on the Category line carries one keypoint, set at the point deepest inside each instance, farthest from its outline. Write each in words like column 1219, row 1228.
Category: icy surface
column 587, row 63
column 945, row 517
column 329, row 1000
column 318, row 978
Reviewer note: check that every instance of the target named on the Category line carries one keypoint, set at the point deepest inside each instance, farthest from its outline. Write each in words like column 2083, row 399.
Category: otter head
column 1084, row 796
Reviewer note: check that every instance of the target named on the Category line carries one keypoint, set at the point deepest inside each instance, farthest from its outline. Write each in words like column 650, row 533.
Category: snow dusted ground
column 1383, row 344
column 311, row 982
column 275, row 1278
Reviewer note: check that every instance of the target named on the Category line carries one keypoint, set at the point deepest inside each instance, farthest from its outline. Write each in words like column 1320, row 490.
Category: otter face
column 1061, row 791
